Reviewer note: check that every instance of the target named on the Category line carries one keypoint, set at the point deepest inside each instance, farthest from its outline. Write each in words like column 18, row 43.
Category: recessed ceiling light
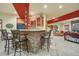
column 45, row 6
column 53, row 17
column 32, row 13
column 60, row 6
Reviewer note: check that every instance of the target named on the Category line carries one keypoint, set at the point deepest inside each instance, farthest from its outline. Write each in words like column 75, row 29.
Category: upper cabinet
column 35, row 22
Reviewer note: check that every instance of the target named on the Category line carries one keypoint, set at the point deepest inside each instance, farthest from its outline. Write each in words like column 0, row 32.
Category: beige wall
column 8, row 19
column 62, row 23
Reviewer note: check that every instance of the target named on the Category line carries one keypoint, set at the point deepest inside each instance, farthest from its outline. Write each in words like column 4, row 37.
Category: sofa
column 71, row 36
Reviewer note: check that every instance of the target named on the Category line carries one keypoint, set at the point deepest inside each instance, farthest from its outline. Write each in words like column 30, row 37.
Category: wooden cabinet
column 35, row 23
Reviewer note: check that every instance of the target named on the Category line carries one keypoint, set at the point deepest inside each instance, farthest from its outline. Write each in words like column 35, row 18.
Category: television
column 75, row 26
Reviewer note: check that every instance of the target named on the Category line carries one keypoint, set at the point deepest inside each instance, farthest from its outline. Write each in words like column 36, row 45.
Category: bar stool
column 18, row 40
column 45, row 37
column 7, row 39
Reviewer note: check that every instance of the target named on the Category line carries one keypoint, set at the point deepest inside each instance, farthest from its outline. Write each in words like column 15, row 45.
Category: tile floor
column 59, row 47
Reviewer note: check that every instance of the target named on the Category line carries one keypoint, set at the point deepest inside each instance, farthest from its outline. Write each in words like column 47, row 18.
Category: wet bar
column 39, row 29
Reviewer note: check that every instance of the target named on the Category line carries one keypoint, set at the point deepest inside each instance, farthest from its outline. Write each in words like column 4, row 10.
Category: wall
column 62, row 23
column 7, row 18
column 69, row 22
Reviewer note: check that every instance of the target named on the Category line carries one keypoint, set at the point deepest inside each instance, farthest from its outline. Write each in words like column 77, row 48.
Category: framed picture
column 66, row 27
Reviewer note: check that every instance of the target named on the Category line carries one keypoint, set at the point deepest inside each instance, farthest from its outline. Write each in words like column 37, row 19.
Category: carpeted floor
column 59, row 47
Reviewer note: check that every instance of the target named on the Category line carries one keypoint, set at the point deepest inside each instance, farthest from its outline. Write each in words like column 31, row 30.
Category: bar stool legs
column 48, row 45
column 15, row 50
column 20, row 48
column 7, row 47
column 16, row 47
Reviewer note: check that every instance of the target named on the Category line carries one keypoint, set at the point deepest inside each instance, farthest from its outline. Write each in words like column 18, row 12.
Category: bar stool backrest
column 4, row 33
column 16, row 35
column 49, row 34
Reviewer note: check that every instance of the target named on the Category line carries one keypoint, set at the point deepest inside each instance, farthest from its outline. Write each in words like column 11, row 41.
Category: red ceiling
column 20, row 8
column 23, row 12
column 65, row 17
